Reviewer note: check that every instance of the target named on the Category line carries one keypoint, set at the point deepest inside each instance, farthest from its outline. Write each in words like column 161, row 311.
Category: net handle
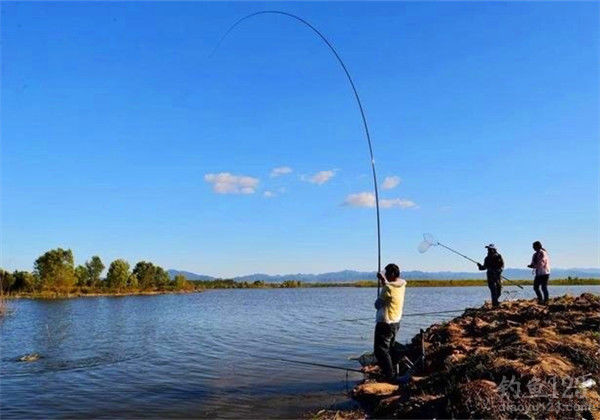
column 438, row 243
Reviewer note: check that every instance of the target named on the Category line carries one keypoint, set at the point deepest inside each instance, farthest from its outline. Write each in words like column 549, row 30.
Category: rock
column 32, row 357
column 379, row 389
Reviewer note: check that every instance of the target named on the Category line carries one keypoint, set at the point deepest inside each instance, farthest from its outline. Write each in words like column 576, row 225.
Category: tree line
column 55, row 272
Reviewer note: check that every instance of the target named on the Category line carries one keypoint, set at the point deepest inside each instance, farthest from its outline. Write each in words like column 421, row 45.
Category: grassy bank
column 232, row 284
column 521, row 360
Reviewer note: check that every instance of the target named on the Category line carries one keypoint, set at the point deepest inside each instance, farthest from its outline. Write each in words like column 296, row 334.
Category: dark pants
column 385, row 335
column 541, row 280
column 495, row 284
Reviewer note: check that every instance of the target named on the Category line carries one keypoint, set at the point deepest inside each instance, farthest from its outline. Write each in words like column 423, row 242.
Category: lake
column 202, row 354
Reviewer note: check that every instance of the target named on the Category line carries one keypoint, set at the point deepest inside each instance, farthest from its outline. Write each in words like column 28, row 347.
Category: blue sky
column 116, row 125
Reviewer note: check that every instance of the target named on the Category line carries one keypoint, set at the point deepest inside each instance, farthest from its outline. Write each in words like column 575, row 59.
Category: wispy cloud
column 320, row 177
column 367, row 199
column 280, row 170
column 400, row 203
column 390, row 182
column 268, row 194
column 226, row 183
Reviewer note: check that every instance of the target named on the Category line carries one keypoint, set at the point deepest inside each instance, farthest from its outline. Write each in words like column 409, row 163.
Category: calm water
column 195, row 355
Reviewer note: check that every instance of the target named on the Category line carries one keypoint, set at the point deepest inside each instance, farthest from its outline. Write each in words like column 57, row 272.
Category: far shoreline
column 203, row 286
column 74, row 295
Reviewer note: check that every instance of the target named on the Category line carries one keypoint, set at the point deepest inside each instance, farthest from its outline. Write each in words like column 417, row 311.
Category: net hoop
column 428, row 241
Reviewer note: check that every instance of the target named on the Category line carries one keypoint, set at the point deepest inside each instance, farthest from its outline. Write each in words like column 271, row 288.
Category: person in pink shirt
column 541, row 265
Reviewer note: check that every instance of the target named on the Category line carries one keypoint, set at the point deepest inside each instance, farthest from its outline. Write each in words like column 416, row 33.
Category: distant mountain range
column 350, row 275
column 189, row 275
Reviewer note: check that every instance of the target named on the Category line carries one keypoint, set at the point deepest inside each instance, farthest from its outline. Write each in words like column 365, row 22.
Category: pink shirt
column 541, row 262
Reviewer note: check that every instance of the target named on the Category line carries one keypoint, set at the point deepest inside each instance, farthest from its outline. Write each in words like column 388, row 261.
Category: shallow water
column 195, row 355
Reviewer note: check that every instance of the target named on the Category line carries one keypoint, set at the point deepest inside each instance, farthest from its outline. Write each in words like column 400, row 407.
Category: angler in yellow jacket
column 389, row 305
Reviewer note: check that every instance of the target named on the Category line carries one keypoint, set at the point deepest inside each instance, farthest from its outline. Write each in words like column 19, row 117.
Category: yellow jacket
column 392, row 302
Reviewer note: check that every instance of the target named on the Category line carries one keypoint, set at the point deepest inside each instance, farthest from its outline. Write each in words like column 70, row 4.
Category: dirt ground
column 521, row 360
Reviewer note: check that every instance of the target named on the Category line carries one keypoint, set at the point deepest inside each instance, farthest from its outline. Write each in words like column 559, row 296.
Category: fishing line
column 405, row 315
column 302, row 362
column 356, row 96
column 429, row 241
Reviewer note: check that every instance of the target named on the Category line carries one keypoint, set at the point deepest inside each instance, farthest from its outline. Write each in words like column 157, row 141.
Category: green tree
column 144, row 271
column 94, row 267
column 7, row 280
column 82, row 276
column 161, row 277
column 132, row 281
column 118, row 274
column 56, row 269
column 150, row 275
column 24, row 281
column 180, row 282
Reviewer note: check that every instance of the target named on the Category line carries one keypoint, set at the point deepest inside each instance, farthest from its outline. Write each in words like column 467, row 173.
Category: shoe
column 403, row 380
column 398, row 380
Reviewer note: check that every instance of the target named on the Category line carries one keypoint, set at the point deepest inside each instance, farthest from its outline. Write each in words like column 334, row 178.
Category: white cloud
column 280, row 170
column 390, row 182
column 363, row 199
column 268, row 194
column 400, row 203
column 226, row 183
column 321, row 177
column 367, row 199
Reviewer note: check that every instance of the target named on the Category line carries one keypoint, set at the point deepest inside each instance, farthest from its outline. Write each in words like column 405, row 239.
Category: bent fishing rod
column 356, row 96
column 429, row 241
